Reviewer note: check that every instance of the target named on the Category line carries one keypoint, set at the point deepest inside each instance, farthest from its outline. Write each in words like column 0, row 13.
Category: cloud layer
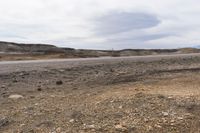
column 102, row 24
column 117, row 22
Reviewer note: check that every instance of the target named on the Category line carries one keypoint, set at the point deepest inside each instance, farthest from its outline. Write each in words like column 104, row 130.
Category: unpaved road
column 14, row 66
column 152, row 94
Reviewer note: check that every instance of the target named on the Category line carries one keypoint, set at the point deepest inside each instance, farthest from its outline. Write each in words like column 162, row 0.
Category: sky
column 102, row 24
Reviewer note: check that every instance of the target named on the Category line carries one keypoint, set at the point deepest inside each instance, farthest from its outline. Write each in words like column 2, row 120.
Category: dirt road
column 14, row 66
column 128, row 94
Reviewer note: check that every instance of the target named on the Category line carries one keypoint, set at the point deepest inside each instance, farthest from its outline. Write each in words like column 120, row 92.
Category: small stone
column 170, row 97
column 21, row 125
column 61, row 70
column 180, row 118
column 165, row 114
column 21, row 74
column 150, row 128
column 120, row 127
column 58, row 130
column 111, row 70
column 172, row 121
column 172, row 124
column 112, row 101
column 52, row 96
column 3, row 86
column 158, row 126
column 164, row 120
column 120, row 107
column 75, row 88
column 15, row 80
column 15, row 96
column 59, row 82
column 71, row 121
column 39, row 89
column 90, row 126
column 3, row 122
column 32, row 97
column 146, row 120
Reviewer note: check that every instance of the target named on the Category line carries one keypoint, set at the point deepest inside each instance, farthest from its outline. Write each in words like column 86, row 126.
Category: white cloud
column 71, row 23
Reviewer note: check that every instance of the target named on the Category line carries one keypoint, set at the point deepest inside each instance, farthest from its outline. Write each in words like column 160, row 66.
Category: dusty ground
column 131, row 95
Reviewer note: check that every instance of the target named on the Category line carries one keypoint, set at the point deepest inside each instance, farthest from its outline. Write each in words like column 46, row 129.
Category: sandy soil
column 131, row 94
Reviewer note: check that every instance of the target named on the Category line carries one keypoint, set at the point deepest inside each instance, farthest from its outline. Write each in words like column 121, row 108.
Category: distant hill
column 10, row 47
column 51, row 51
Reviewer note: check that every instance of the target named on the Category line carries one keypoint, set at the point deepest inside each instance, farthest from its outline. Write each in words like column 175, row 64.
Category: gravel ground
column 131, row 94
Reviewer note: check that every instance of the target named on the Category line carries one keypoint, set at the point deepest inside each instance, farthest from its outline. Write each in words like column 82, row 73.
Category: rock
column 32, row 97
column 150, row 128
column 180, row 118
column 71, row 121
column 21, row 74
column 157, row 126
column 90, row 126
column 39, row 89
column 172, row 121
column 3, row 86
column 112, row 70
column 3, row 122
column 165, row 114
column 119, row 127
column 146, row 120
column 52, row 96
column 61, row 70
column 59, row 82
column 170, row 97
column 161, row 96
column 58, row 130
column 15, row 80
column 75, row 88
column 22, row 125
column 16, row 96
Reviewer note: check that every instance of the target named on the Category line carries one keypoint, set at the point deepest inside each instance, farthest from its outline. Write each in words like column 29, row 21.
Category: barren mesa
column 123, row 94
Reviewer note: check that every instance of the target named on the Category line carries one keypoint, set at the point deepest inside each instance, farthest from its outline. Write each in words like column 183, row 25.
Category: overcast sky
column 102, row 24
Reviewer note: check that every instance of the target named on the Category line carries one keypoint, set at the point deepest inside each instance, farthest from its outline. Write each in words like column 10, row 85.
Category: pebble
column 15, row 80
column 120, row 127
column 52, row 96
column 158, row 126
column 170, row 97
column 71, row 121
column 180, row 118
column 146, row 120
column 39, row 89
column 3, row 122
column 59, row 82
column 165, row 114
column 120, row 107
column 172, row 121
column 58, row 129
column 90, row 126
column 16, row 96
